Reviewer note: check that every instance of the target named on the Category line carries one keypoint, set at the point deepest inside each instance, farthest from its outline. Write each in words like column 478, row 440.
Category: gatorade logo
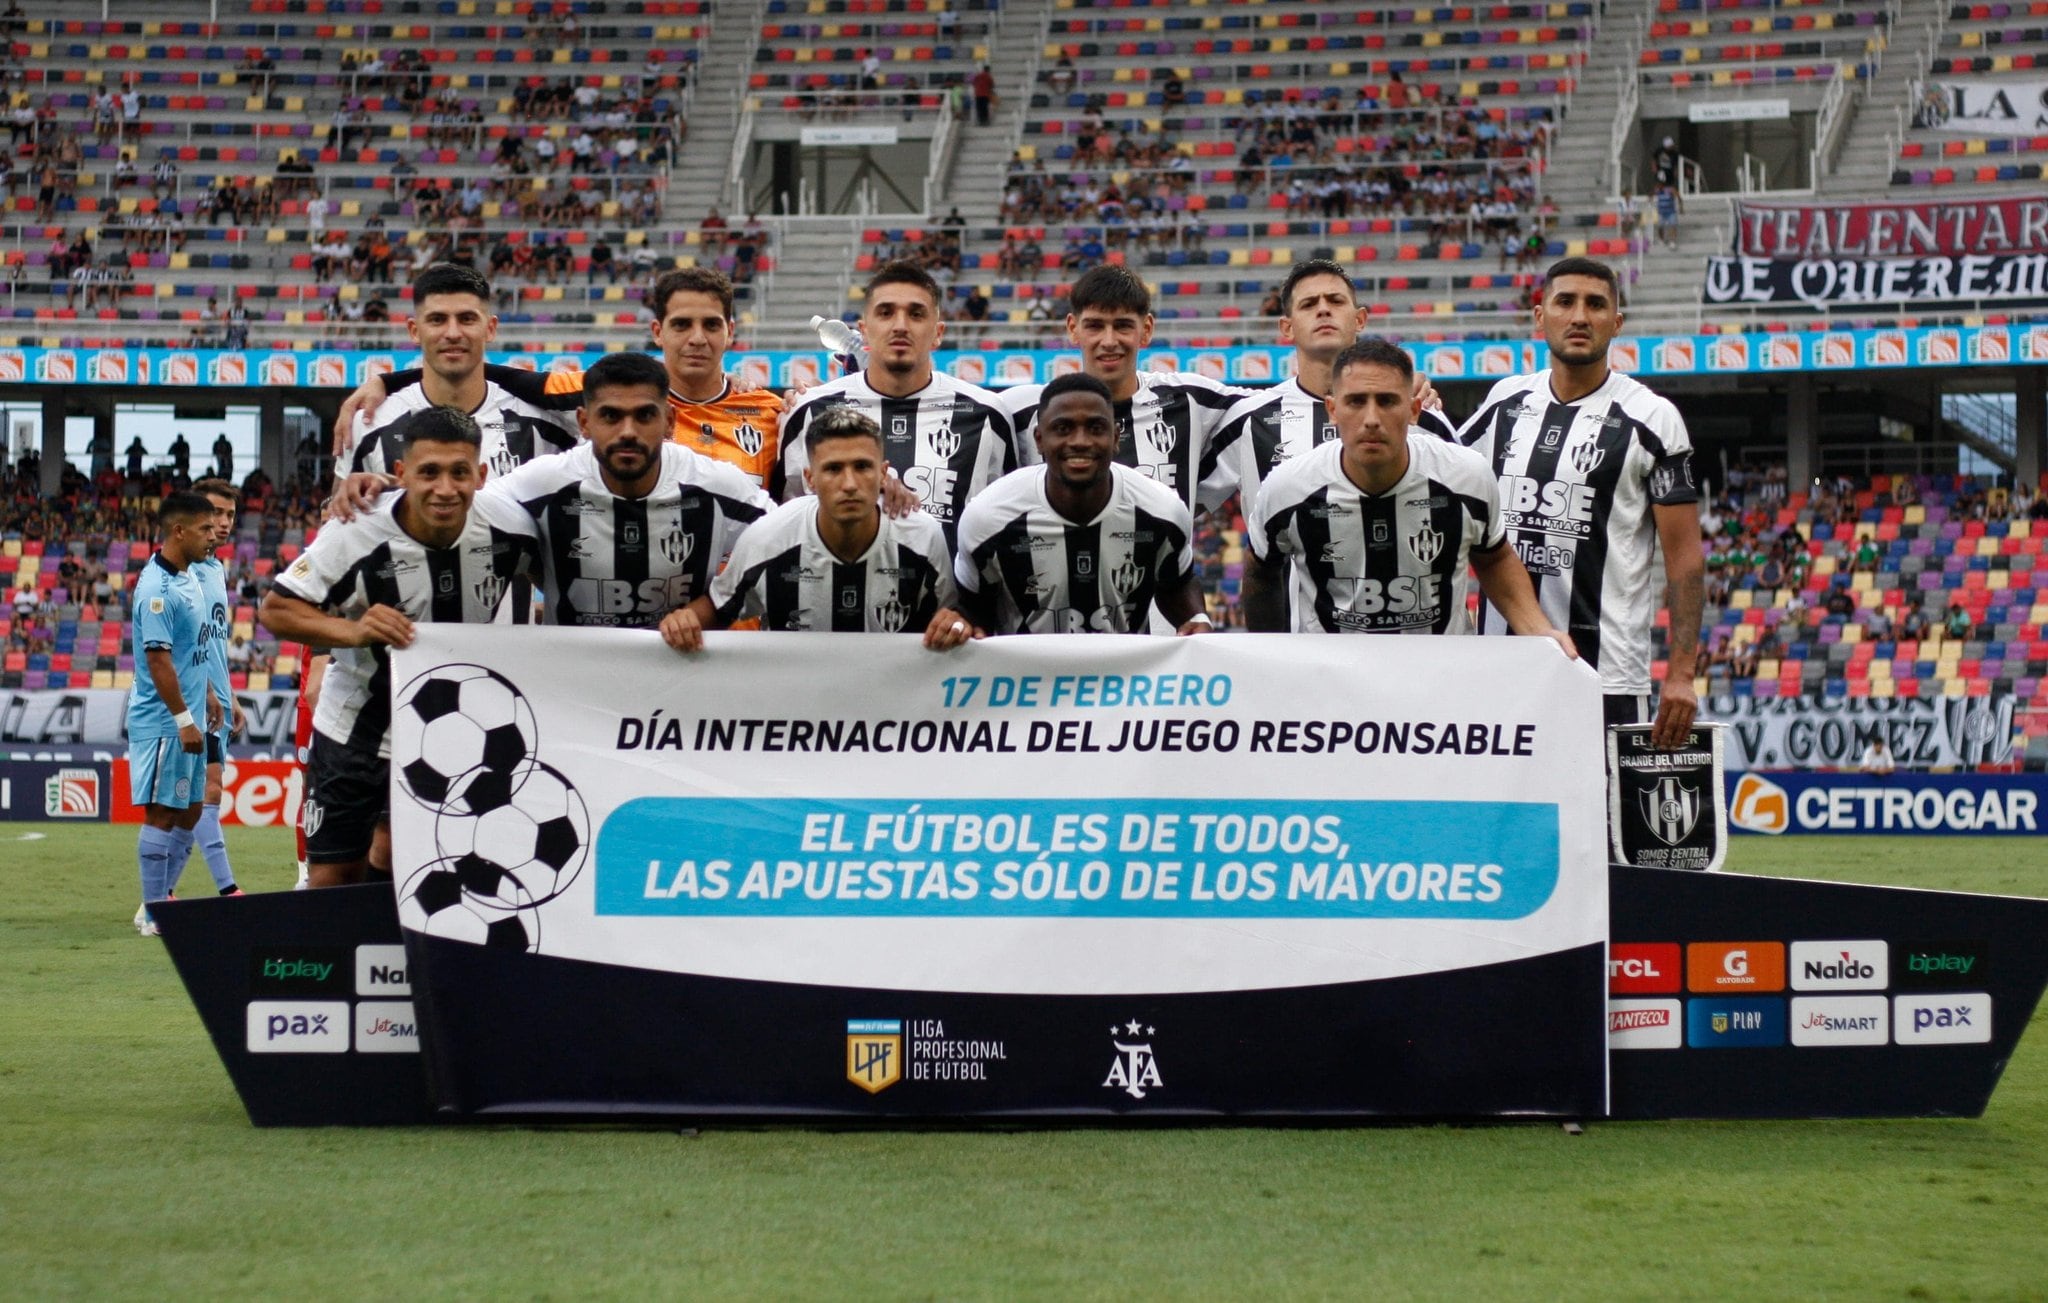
column 1760, row 805
column 1738, row 966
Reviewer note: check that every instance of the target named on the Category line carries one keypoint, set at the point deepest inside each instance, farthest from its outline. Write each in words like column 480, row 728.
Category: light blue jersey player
column 212, row 577
column 169, row 700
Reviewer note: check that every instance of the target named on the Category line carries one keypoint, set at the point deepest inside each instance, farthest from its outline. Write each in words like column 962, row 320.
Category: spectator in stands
column 1866, row 555
column 1877, row 757
column 1915, row 627
column 984, row 90
column 711, row 232
column 237, row 335
column 602, row 263
column 181, row 457
column 1957, row 624
column 1841, row 604
column 1062, row 77
column 223, row 457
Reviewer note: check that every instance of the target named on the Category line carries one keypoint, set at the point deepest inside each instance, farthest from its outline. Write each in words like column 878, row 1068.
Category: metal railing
column 1830, row 129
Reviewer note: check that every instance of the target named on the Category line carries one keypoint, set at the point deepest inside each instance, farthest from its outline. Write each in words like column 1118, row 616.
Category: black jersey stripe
column 849, row 597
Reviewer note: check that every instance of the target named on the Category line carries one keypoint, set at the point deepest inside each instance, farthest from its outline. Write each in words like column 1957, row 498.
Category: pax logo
column 1735, row 966
column 1840, row 966
column 1946, row 1019
column 1760, row 805
column 386, row 1027
column 1822, row 1020
column 380, row 970
column 298, row 1027
column 1644, row 1025
column 1642, row 969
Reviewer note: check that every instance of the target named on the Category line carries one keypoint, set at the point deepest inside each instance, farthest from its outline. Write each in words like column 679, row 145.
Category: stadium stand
column 1975, row 40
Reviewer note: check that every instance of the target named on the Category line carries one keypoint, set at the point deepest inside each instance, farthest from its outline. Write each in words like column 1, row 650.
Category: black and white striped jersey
column 947, row 442
column 353, row 565
column 1166, row 430
column 782, row 573
column 627, row 562
column 1577, row 483
column 1049, row 575
column 1388, row 562
column 515, row 432
column 1264, row 431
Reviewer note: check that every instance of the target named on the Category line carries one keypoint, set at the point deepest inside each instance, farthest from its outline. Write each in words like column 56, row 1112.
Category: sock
column 181, row 851
column 214, row 846
column 153, row 852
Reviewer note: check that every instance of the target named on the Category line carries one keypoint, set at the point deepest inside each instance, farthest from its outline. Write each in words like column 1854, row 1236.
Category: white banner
column 2003, row 106
column 1831, row 732
column 99, row 717
column 1025, row 815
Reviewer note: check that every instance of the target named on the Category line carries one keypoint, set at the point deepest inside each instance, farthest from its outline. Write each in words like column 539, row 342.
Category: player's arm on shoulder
column 362, row 404
column 552, row 390
column 1506, row 583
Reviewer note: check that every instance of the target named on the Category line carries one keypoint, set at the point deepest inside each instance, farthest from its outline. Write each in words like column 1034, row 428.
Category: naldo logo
column 1840, row 965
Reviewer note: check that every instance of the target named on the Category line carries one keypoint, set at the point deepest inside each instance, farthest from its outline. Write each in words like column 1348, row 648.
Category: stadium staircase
column 976, row 182
column 704, row 165
column 1871, row 149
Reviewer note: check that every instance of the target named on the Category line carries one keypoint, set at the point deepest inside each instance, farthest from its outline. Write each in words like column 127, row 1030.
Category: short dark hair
column 440, row 425
column 449, row 278
column 629, row 370
column 842, row 422
column 1313, row 267
column 1577, row 266
column 1374, row 351
column 214, row 487
column 690, row 280
column 181, row 506
column 1110, row 288
column 1072, row 382
column 904, row 273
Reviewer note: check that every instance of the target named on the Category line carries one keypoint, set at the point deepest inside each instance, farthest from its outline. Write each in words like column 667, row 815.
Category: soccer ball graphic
column 473, row 727
column 473, row 901
column 529, row 823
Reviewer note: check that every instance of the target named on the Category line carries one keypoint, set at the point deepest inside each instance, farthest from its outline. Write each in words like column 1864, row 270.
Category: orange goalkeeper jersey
column 738, row 427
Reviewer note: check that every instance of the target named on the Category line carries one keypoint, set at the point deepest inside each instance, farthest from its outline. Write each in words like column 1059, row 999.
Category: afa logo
column 1135, row 1070
column 1760, row 805
column 874, row 1053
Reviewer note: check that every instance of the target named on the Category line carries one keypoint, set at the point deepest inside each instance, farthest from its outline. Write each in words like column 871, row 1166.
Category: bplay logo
column 1840, row 966
column 1637, row 968
column 1720, row 1024
column 386, row 1027
column 1759, row 805
column 1737, row 966
column 1945, row 1019
column 300, row 970
column 1819, row 1020
column 1941, row 965
column 1644, row 1024
column 298, row 1027
column 380, row 970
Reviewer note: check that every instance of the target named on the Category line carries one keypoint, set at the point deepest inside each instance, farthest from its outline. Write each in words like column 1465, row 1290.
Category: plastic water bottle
column 835, row 335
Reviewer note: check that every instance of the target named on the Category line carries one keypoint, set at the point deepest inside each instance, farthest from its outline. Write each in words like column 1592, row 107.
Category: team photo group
column 652, row 492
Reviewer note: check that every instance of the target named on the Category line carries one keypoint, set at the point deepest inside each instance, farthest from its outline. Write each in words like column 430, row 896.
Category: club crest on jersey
column 1426, row 544
column 676, row 546
column 1125, row 576
column 945, row 442
column 1161, row 437
column 889, row 614
column 1587, row 456
column 1670, row 809
column 488, row 589
column 748, row 438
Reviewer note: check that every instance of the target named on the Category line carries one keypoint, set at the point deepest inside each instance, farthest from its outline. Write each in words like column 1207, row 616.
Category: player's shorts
column 1628, row 708
column 160, row 772
column 217, row 748
column 348, row 794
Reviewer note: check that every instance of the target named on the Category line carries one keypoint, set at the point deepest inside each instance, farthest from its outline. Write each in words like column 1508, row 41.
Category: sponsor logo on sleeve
column 386, row 1027
column 1821, row 1020
column 298, row 1027
column 1638, row 968
column 1723, row 1024
column 1947, row 1018
column 1940, row 965
column 380, row 970
column 1735, row 966
column 1644, row 1024
column 1840, row 966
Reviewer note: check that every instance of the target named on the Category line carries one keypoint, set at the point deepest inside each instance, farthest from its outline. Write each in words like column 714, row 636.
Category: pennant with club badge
column 1665, row 808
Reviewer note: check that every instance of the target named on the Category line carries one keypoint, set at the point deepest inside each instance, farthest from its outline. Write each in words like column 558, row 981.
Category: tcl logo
column 1642, row 969
column 1735, row 966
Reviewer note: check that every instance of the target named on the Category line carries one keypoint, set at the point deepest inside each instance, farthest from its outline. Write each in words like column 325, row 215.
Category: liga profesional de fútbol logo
column 510, row 832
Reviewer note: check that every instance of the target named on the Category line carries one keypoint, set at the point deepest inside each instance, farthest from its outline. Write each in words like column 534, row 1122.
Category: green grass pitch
column 128, row 1170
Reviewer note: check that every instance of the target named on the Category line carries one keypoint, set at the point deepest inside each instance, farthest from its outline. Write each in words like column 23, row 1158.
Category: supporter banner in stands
column 2000, row 106
column 1826, row 283
column 1951, row 228
column 254, row 794
column 1036, row 876
column 99, row 717
column 1897, row 803
column 1649, row 355
column 1831, row 732
column 55, row 790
